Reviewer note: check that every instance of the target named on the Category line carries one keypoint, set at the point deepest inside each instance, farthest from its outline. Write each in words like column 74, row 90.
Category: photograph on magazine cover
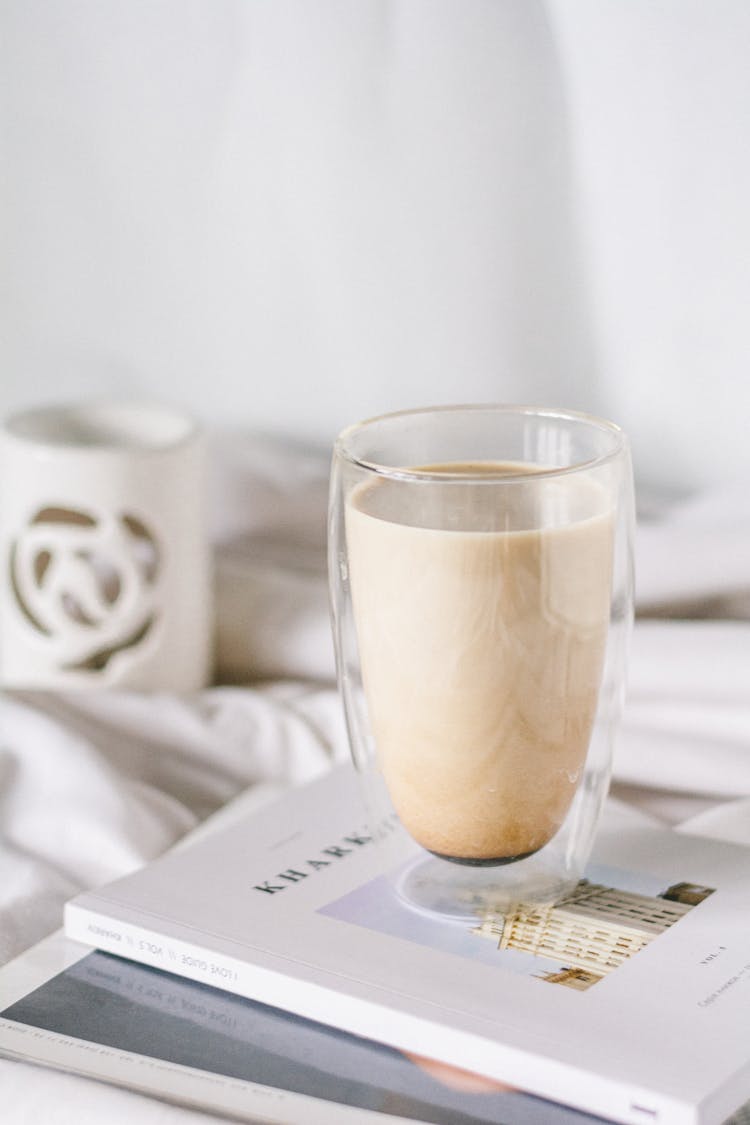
column 117, row 1005
column 575, row 942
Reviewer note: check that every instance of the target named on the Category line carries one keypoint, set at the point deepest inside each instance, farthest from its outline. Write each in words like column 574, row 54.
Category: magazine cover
column 627, row 999
column 64, row 1005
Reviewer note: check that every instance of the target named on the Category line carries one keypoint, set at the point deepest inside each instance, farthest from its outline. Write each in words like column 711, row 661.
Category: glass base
column 446, row 889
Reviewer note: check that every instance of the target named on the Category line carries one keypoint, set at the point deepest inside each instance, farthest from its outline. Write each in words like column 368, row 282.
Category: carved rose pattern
column 86, row 584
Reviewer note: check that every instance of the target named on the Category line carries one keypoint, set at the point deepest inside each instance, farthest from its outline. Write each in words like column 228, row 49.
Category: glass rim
column 400, row 472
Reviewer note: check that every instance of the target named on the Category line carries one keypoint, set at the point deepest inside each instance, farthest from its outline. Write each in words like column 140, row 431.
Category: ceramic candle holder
column 105, row 576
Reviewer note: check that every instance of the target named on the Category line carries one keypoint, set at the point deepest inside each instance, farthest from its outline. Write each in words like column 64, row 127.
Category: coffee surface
column 481, row 602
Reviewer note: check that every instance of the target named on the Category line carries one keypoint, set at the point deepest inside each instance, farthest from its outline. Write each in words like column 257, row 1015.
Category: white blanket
column 94, row 784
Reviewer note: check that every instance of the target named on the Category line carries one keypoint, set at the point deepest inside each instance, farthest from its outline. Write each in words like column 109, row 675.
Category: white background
column 288, row 214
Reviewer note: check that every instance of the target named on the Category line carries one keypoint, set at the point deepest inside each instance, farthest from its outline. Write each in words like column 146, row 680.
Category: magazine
column 628, row 999
column 97, row 1015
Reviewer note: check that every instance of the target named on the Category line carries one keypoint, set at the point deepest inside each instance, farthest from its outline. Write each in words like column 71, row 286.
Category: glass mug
column 480, row 563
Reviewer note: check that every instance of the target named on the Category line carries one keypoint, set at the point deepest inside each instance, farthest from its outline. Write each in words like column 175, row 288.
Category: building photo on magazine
column 374, row 562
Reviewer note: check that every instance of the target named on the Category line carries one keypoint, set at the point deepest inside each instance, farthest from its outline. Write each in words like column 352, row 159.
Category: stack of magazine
column 269, row 972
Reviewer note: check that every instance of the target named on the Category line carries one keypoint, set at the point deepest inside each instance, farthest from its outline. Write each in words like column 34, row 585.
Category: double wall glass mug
column 481, row 592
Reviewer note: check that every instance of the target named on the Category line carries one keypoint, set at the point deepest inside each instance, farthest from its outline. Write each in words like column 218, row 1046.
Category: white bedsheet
column 94, row 784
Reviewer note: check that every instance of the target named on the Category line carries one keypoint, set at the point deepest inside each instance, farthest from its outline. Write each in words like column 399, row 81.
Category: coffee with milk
column 481, row 616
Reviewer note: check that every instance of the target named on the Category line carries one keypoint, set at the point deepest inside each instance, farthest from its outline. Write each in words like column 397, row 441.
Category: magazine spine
column 172, row 955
